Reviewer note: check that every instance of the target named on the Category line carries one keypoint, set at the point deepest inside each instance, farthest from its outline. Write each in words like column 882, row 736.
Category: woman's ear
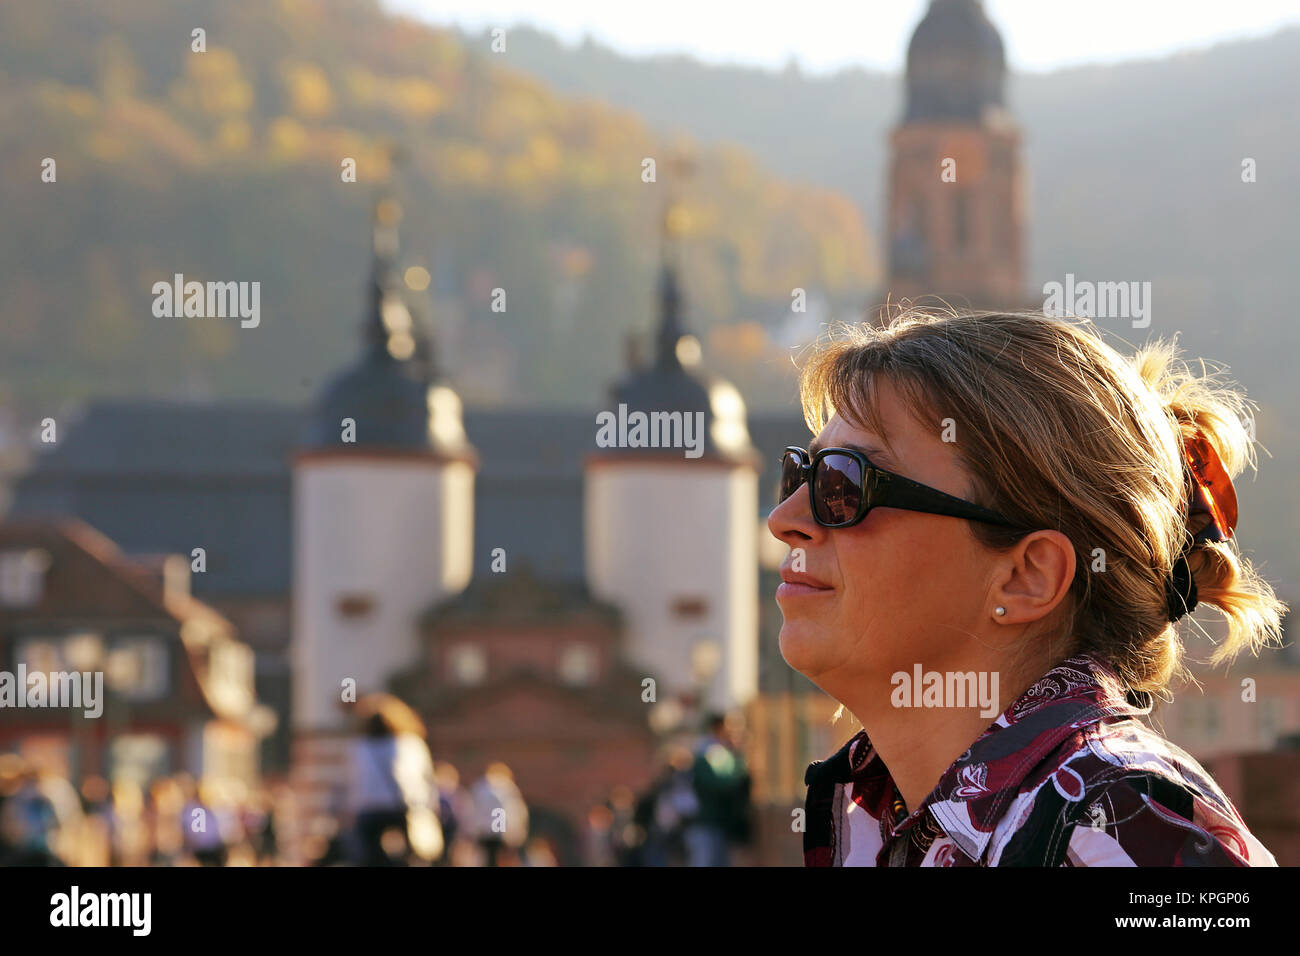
column 1036, row 577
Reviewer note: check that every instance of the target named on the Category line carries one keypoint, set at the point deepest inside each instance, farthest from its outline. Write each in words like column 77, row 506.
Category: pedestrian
column 29, row 825
column 455, row 812
column 392, row 796
column 721, row 785
column 669, row 808
column 201, row 825
column 500, row 814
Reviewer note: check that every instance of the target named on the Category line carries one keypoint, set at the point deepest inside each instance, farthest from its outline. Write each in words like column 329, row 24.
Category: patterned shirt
column 1066, row 776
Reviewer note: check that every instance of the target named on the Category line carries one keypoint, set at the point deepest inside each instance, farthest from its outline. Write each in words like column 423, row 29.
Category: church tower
column 383, row 506
column 956, row 211
column 671, row 539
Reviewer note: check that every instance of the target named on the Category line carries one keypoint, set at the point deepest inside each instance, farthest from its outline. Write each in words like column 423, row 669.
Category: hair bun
column 1180, row 589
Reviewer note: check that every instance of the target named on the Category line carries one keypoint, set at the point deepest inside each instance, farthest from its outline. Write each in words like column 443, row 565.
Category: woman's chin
column 800, row 643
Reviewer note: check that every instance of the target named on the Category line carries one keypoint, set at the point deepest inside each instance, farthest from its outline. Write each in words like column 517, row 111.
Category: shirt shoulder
column 1120, row 794
column 826, row 781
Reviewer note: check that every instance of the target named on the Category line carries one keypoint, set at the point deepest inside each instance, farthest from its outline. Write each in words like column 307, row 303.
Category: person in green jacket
column 722, row 786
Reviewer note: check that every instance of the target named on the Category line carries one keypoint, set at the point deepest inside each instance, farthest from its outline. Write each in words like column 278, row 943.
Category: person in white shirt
column 500, row 818
column 391, row 788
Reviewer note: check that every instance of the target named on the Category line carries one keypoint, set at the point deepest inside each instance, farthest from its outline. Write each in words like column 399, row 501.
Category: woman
column 500, row 814
column 391, row 786
column 1000, row 533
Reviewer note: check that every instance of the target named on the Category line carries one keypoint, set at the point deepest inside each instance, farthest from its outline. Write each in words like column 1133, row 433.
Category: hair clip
column 1214, row 503
column 1213, row 493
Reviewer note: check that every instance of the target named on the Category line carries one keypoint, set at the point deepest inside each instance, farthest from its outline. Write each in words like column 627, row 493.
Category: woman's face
column 900, row 587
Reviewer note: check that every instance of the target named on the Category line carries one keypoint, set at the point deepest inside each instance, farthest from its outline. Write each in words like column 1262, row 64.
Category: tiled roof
column 171, row 476
column 174, row 476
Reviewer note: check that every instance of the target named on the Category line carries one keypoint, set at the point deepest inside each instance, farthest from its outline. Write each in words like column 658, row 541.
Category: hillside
column 225, row 165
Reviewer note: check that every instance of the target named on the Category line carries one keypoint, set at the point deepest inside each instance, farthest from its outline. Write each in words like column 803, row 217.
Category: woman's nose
column 792, row 517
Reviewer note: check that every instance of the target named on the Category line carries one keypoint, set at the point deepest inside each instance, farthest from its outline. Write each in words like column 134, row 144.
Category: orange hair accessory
column 1213, row 493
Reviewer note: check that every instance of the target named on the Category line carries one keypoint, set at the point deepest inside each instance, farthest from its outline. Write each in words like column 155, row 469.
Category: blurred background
column 458, row 631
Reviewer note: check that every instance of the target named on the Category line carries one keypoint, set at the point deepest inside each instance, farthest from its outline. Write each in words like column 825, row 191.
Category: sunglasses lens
column 791, row 476
column 837, row 492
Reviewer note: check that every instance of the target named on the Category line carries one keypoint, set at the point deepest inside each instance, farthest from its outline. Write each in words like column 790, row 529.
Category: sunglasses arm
column 894, row 491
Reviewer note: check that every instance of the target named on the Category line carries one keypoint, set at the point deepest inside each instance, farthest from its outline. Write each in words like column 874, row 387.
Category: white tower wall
column 657, row 532
column 398, row 532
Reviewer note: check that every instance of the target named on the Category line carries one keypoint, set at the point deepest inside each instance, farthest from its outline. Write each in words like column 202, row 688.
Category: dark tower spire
column 386, row 317
column 674, row 382
column 388, row 392
column 670, row 321
column 671, row 328
column 425, row 358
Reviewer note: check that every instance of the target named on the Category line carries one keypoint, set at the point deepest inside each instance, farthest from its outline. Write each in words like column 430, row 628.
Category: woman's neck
column 916, row 740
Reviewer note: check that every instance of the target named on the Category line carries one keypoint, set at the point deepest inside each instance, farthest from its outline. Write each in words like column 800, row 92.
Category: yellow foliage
column 363, row 87
column 299, row 10
column 513, row 115
column 234, row 136
column 309, row 90
column 374, row 162
column 448, row 54
column 416, row 98
column 107, row 146
column 518, row 171
column 78, row 101
column 679, row 220
column 119, row 76
column 587, row 171
column 334, row 142
column 737, row 169
column 409, row 96
column 544, row 153
column 287, row 138
column 214, row 83
column 466, row 165
column 152, row 129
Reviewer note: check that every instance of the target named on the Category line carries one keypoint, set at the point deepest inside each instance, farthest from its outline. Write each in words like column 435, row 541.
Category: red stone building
column 956, row 191
column 177, row 684
column 531, row 673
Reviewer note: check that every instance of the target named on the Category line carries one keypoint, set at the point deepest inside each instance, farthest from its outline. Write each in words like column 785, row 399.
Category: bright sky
column 826, row 35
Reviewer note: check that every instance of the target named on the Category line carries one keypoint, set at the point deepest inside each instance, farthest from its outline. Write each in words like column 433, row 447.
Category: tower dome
column 673, row 382
column 956, row 66
column 392, row 391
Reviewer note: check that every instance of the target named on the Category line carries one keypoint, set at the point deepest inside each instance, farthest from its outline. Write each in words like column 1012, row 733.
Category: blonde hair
column 1058, row 430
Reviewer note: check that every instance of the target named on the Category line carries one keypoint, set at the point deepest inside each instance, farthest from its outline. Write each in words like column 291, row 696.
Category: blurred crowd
column 397, row 808
column 46, row 821
column 696, row 812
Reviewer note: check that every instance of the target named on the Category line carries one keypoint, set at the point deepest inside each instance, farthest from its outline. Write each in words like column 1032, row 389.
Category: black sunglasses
column 843, row 485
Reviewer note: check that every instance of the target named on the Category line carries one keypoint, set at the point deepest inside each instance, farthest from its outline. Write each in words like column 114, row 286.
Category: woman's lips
column 794, row 589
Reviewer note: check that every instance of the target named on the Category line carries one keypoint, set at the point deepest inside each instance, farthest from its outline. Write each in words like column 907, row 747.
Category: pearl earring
column 999, row 610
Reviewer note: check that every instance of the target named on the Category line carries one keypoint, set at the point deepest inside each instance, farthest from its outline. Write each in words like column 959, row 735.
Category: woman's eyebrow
column 875, row 454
